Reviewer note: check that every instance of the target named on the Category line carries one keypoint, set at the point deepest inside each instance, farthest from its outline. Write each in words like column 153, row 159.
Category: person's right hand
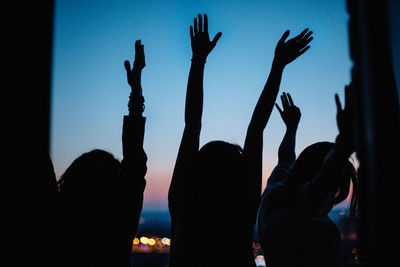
column 290, row 114
column 200, row 40
column 286, row 52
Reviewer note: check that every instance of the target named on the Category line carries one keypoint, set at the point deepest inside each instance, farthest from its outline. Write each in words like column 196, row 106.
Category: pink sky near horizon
column 157, row 185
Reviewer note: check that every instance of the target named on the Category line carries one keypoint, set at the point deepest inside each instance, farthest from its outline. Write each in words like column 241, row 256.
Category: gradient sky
column 90, row 93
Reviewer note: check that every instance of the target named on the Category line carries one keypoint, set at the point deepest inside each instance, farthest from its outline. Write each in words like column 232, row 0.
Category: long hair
column 83, row 191
column 309, row 163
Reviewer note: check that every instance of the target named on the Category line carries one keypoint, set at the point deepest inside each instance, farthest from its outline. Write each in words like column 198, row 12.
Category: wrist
column 343, row 147
column 199, row 59
column 276, row 63
column 291, row 127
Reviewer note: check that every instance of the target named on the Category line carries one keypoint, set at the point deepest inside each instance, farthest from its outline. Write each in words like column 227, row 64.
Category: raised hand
column 291, row 114
column 286, row 52
column 200, row 40
column 134, row 74
column 344, row 119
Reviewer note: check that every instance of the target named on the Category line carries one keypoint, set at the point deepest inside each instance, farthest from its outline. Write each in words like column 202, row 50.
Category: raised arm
column 133, row 165
column 285, row 52
column 291, row 117
column 201, row 47
column 336, row 162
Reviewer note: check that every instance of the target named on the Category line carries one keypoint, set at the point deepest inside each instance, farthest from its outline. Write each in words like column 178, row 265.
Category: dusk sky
column 90, row 92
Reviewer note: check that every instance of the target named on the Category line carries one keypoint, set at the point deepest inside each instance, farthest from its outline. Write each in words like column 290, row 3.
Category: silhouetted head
column 90, row 174
column 219, row 172
column 308, row 165
column 220, row 165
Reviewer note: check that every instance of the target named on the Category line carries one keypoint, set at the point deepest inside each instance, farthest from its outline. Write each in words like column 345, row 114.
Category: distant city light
column 154, row 244
column 166, row 241
column 151, row 242
column 144, row 240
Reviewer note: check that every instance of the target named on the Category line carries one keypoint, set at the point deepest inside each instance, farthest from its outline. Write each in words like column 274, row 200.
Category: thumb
column 216, row 38
column 127, row 66
column 338, row 104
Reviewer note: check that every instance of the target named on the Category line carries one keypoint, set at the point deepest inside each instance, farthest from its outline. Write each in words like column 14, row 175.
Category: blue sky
column 90, row 93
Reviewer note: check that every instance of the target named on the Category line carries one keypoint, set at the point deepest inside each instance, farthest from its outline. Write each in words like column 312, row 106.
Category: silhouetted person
column 101, row 197
column 215, row 190
column 293, row 224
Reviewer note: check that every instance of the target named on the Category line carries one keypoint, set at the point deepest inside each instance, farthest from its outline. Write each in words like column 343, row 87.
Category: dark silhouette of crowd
column 215, row 189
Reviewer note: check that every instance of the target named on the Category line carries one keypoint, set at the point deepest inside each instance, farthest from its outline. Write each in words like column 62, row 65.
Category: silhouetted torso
column 213, row 225
column 101, row 201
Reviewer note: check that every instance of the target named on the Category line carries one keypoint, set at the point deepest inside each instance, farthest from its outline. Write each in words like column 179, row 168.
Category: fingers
column 279, row 109
column 307, row 35
column 338, row 104
column 199, row 26
column 285, row 102
column 137, row 44
column 191, row 33
column 302, row 40
column 195, row 27
column 302, row 51
column 139, row 62
column 139, row 49
column 216, row 38
column 301, row 35
column 205, row 23
column 305, row 41
column 291, row 103
column 200, row 23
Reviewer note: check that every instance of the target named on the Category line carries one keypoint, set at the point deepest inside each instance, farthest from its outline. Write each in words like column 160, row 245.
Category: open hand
column 290, row 114
column 286, row 52
column 201, row 44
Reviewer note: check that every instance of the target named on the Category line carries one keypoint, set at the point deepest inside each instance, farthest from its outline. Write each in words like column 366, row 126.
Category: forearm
column 191, row 135
column 194, row 94
column 286, row 152
column 136, row 100
column 254, row 138
column 133, row 136
column 267, row 98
